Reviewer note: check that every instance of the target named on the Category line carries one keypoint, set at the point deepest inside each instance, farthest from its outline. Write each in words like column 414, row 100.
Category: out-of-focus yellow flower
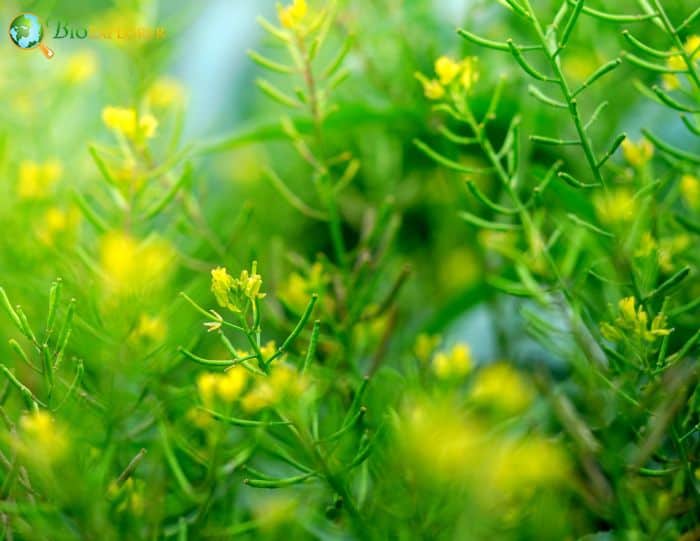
column 634, row 321
column 669, row 247
column 132, row 267
column 297, row 289
column 42, row 437
column 692, row 46
column 459, row 268
column 647, row 245
column 425, row 345
column 37, row 179
column 166, row 92
column 283, row 383
column 199, row 418
column 231, row 384
column 439, row 443
column 432, row 89
column 207, row 384
column 690, row 190
column 455, row 363
column 637, row 154
column 125, row 121
column 275, row 512
column 150, row 328
column 446, row 69
column 532, row 462
column 617, row 206
column 80, row 67
column 291, row 16
column 470, row 73
column 500, row 386
column 57, row 222
column 579, row 66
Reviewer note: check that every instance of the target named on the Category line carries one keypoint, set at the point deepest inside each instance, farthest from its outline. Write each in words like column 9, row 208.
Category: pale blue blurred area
column 217, row 70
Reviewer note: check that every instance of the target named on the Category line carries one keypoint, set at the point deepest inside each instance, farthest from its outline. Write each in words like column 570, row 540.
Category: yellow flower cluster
column 124, row 120
column 131, row 267
column 57, row 222
column 227, row 386
column 42, row 438
column 253, row 393
column 441, row 444
column 501, row 387
column 297, row 289
column 425, row 346
column 283, row 383
column 634, row 319
column 637, row 154
column 691, row 47
column 690, row 190
column 453, row 364
column 165, row 92
column 80, row 67
column 150, row 329
column 292, row 16
column 234, row 293
column 617, row 206
column 669, row 247
column 37, row 179
column 450, row 74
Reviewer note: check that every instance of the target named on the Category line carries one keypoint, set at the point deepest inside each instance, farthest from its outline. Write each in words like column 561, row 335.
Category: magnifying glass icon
column 26, row 32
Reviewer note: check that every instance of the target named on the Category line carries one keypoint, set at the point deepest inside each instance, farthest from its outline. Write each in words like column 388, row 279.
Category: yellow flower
column 647, row 245
column 207, row 385
column 690, row 190
column 148, row 125
column 233, row 293
column 637, row 154
column 437, row 442
column 165, row 92
column 131, row 267
column 259, row 397
column 199, row 418
column 150, row 328
column 231, row 383
column 42, row 437
column 80, row 67
column 692, row 46
column 500, row 386
column 37, row 179
column 634, row 321
column 56, row 223
column 297, row 289
column 425, row 346
column 458, row 362
column 670, row 247
column 531, row 462
column 432, row 88
column 292, row 15
column 125, row 121
column 446, row 69
column 617, row 206
column 221, row 284
column 470, row 73
column 250, row 283
column 283, row 383
column 627, row 308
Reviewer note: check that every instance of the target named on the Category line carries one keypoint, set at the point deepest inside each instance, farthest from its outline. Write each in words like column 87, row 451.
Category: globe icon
column 27, row 32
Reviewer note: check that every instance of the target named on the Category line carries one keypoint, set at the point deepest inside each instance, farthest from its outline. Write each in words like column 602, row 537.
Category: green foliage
column 415, row 284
